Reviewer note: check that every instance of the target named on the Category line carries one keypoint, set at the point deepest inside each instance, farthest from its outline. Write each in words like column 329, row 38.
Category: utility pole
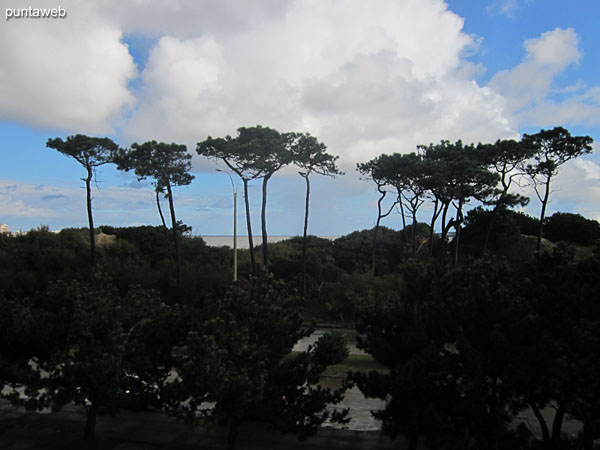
column 234, row 189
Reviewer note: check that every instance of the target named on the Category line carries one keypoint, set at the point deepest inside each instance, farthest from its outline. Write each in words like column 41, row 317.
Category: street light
column 234, row 189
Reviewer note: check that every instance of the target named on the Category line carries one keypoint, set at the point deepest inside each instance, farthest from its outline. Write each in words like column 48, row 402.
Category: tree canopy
column 90, row 152
column 550, row 150
column 169, row 165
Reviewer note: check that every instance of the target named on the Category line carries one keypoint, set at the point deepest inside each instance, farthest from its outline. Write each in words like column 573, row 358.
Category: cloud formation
column 506, row 8
column 69, row 74
column 364, row 78
column 530, row 89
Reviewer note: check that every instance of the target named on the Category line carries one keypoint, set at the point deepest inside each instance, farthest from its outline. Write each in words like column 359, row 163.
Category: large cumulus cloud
column 70, row 74
column 533, row 96
column 365, row 78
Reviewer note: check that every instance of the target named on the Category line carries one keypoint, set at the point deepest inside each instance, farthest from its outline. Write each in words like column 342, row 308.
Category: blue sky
column 364, row 77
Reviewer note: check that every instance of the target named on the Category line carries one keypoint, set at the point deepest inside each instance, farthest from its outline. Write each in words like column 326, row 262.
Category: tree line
column 447, row 174
column 150, row 317
column 255, row 153
column 452, row 174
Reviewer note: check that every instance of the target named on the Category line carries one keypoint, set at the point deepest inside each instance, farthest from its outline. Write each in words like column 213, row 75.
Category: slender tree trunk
column 557, row 425
column 263, row 221
column 543, row 214
column 445, row 228
column 232, row 433
column 542, row 422
column 175, row 233
column 90, row 423
column 457, row 226
column 403, row 218
column 414, row 233
column 304, row 236
column 499, row 204
column 249, row 227
column 434, row 217
column 379, row 215
column 88, row 188
column 164, row 224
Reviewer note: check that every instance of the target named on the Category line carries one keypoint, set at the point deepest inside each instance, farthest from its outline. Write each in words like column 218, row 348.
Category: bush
column 571, row 228
column 330, row 349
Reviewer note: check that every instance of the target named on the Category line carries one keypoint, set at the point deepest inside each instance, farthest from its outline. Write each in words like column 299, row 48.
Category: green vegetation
column 355, row 363
column 457, row 347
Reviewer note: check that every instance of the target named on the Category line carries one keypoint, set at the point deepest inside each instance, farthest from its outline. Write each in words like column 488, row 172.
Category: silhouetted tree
column 238, row 356
column 237, row 154
column 446, row 336
column 505, row 157
column 457, row 175
column 311, row 157
column 169, row 165
column 270, row 154
column 551, row 149
column 90, row 152
column 406, row 172
column 86, row 346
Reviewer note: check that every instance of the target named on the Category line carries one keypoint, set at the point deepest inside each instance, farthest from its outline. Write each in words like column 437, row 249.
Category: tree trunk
column 557, row 425
column 305, row 234
column 232, row 434
column 445, row 228
column 90, row 423
column 175, row 233
column 434, row 217
column 88, row 189
column 499, row 204
column 249, row 227
column 164, row 224
column 263, row 221
column 543, row 214
column 403, row 219
column 540, row 418
column 414, row 233
column 457, row 227
column 379, row 215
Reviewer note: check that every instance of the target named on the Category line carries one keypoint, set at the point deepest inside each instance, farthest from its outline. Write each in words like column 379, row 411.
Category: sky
column 365, row 78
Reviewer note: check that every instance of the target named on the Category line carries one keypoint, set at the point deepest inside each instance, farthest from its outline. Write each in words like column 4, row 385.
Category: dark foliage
column 573, row 228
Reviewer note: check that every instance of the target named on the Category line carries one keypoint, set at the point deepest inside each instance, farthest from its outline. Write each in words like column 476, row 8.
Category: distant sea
column 242, row 241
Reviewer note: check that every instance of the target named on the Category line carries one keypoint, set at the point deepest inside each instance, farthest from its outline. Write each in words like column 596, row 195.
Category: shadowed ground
column 20, row 430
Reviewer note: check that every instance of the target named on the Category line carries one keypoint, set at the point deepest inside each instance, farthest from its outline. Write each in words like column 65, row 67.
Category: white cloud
column 578, row 187
column 365, row 78
column 556, row 48
column 64, row 206
column 530, row 88
column 507, row 8
column 69, row 73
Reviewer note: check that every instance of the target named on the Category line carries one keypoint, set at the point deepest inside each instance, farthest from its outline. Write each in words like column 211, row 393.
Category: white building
column 4, row 228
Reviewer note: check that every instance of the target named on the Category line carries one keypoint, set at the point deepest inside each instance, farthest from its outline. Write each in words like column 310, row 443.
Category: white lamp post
column 234, row 189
